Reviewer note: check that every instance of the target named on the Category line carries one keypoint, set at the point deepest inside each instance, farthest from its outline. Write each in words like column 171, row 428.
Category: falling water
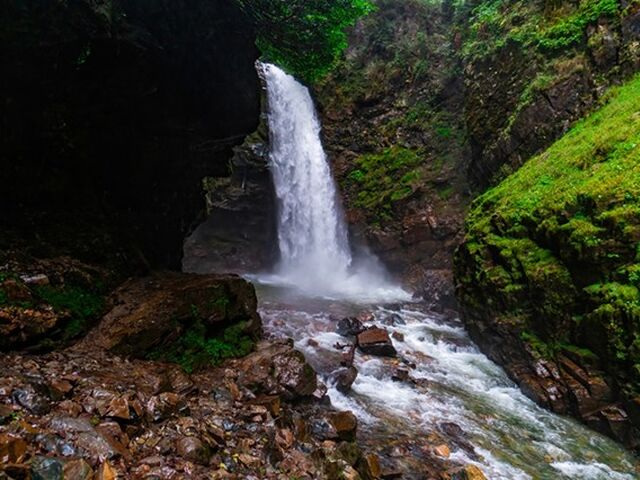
column 314, row 247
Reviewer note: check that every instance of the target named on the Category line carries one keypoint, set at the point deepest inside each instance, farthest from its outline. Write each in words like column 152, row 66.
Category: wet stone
column 345, row 425
column 469, row 472
column 43, row 468
column 55, row 445
column 32, row 401
column 349, row 327
column 77, row 469
column 376, row 341
column 344, row 378
column 394, row 320
column 192, row 449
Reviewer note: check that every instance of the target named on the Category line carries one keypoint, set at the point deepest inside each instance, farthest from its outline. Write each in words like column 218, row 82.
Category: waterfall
column 311, row 231
column 312, row 235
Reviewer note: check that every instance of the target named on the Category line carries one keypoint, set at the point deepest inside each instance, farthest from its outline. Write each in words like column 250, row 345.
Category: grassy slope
column 555, row 248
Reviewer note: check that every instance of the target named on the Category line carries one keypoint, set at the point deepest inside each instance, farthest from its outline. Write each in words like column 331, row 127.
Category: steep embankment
column 548, row 272
column 532, row 68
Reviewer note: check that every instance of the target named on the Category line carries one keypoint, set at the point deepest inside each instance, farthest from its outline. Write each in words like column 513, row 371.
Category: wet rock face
column 122, row 107
column 507, row 125
column 151, row 311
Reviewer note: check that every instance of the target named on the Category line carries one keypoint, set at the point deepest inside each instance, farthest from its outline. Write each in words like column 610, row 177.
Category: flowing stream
column 453, row 392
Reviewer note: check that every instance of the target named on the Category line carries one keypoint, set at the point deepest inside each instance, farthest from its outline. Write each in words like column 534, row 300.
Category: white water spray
column 312, row 234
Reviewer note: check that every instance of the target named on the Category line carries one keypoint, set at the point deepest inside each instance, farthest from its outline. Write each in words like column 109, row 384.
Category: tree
column 305, row 37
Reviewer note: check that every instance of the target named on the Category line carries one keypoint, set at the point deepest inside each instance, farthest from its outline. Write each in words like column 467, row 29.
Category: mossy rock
column 556, row 244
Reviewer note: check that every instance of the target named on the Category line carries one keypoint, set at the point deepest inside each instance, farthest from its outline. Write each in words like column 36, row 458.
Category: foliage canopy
column 304, row 37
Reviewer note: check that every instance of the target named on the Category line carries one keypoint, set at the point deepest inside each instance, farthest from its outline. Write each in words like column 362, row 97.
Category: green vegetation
column 547, row 27
column 383, row 178
column 82, row 305
column 79, row 306
column 306, row 37
column 199, row 346
column 554, row 247
column 195, row 348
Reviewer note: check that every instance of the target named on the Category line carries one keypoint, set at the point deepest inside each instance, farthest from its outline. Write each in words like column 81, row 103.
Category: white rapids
column 452, row 384
column 453, row 390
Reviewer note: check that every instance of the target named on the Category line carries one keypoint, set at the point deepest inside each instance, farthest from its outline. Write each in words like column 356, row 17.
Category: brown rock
column 192, row 449
column 345, row 424
column 161, row 407
column 106, row 472
column 376, row 341
column 150, row 311
column 277, row 369
column 344, row 378
column 12, row 449
column 271, row 402
column 442, row 451
column 398, row 336
column 119, row 408
column 77, row 469
column 469, row 472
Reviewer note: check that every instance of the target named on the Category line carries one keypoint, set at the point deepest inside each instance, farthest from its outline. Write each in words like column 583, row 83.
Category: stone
column 119, row 408
column 398, row 336
column 43, row 468
column 277, row 369
column 150, row 310
column 394, row 320
column 345, row 424
column 376, row 341
column 271, row 402
column 59, row 389
column 37, row 280
column 349, row 327
column 5, row 413
column 344, row 378
column 25, row 326
column 442, row 451
column 371, row 466
column 106, row 472
column 400, row 375
column 16, row 291
column 32, row 401
column 77, row 469
column 12, row 449
column 348, row 357
column 160, row 407
column 192, row 449
column 468, row 472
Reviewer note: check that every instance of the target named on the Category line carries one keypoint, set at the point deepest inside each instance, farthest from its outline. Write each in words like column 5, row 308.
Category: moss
column 556, row 243
column 383, row 178
column 82, row 305
column 198, row 346
column 533, row 25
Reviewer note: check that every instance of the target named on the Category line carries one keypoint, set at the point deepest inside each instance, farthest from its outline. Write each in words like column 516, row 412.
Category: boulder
column 151, row 311
column 277, row 369
column 376, row 341
column 192, row 449
column 468, row 472
column 349, row 327
column 344, row 378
